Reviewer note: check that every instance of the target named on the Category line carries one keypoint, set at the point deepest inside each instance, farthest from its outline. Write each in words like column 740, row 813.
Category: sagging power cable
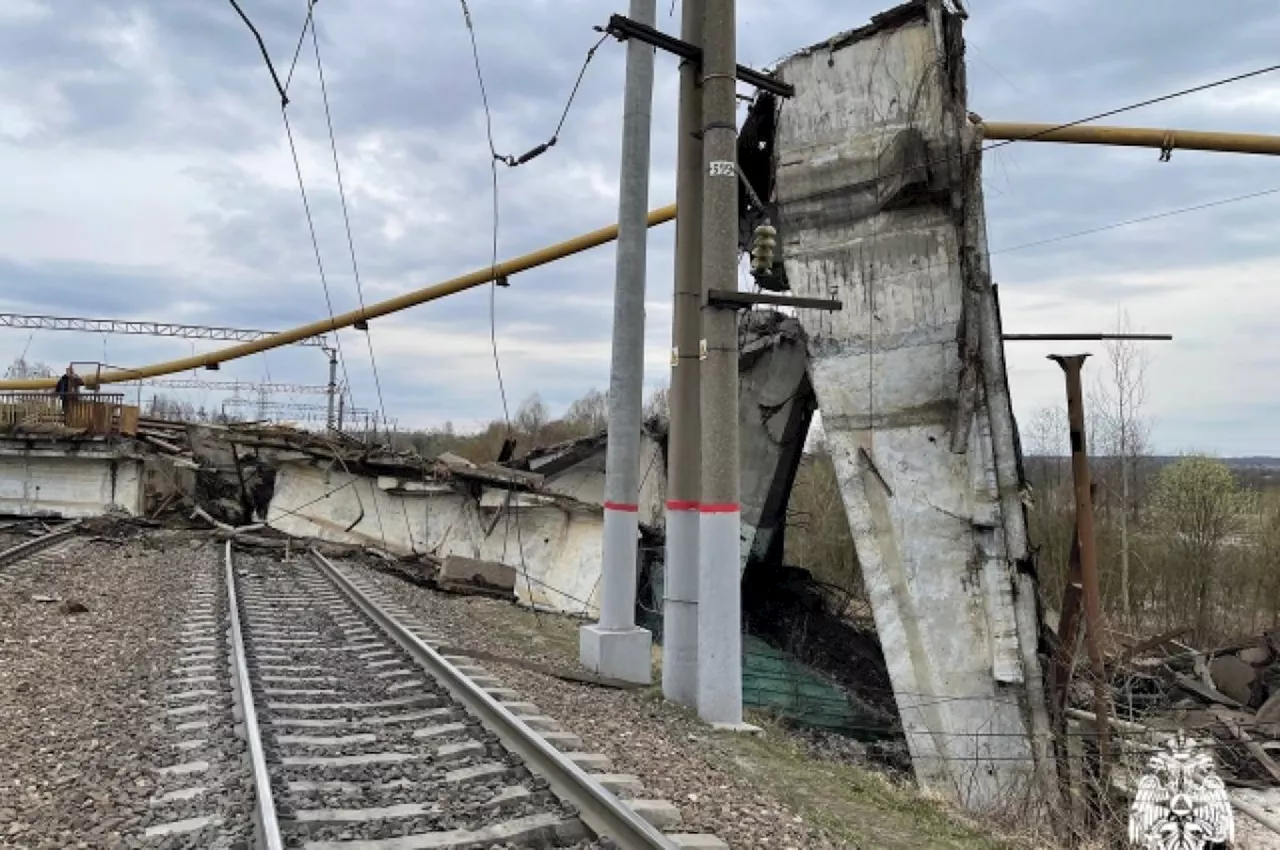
column 306, row 204
column 537, row 150
column 494, row 159
column 351, row 246
column 493, row 310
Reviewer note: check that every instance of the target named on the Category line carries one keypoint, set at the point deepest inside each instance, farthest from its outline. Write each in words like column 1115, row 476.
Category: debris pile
column 1229, row 695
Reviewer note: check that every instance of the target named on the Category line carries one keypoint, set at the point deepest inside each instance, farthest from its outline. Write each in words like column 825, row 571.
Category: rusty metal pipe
column 1085, row 337
column 1090, row 585
column 1134, row 137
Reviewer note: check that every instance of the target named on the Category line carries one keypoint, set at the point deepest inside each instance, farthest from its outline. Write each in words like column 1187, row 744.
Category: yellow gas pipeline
column 1142, row 137
column 1165, row 140
column 372, row 311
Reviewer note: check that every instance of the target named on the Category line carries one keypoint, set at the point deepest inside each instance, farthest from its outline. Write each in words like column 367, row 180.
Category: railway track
column 353, row 733
column 62, row 533
column 52, row 543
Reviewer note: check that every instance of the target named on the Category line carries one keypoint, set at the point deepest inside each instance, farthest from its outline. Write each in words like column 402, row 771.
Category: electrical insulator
column 763, row 243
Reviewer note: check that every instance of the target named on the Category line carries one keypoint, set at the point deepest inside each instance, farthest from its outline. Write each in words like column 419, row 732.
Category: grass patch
column 553, row 634
column 858, row 807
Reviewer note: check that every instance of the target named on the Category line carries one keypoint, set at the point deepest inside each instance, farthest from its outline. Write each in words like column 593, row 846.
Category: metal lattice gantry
column 305, row 412
column 142, row 328
column 231, row 386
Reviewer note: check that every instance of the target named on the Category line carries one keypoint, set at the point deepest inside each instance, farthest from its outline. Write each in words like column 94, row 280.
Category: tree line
column 531, row 426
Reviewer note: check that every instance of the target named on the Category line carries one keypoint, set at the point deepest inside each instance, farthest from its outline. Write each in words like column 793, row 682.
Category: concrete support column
column 680, row 585
column 720, row 546
column 615, row 647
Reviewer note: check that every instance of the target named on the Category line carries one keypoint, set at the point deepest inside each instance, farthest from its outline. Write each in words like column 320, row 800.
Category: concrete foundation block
column 696, row 841
column 622, row 785
column 661, row 814
column 617, row 653
column 738, row 728
column 591, row 762
column 522, row 709
column 462, row 572
column 562, row 740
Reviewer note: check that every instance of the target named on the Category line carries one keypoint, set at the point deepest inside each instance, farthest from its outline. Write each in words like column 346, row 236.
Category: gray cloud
column 180, row 88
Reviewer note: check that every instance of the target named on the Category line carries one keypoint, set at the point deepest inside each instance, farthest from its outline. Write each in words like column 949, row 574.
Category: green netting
column 774, row 682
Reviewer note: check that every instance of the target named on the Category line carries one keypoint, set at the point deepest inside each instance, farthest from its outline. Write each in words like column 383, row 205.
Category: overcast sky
column 144, row 174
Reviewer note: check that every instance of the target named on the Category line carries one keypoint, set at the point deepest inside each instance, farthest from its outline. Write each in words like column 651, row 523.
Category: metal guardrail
column 268, row 824
column 599, row 809
column 98, row 414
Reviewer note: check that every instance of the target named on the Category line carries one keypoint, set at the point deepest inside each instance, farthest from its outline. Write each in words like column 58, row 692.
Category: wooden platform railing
column 92, row 414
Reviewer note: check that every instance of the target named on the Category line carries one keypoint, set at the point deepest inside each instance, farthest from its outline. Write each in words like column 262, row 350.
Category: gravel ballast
column 81, row 691
column 674, row 755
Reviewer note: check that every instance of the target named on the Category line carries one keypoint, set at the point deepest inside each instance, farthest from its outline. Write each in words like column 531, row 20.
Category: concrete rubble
column 1228, row 696
column 538, row 516
column 542, row 513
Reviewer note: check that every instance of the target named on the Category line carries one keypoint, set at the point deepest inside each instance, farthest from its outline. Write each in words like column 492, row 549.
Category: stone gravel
column 669, row 749
column 80, row 693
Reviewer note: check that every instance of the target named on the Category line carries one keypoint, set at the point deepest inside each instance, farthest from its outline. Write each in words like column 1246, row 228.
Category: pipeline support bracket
column 744, row 300
column 621, row 27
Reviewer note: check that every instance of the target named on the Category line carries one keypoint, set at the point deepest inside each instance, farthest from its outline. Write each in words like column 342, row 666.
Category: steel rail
column 35, row 544
column 600, row 810
column 268, row 823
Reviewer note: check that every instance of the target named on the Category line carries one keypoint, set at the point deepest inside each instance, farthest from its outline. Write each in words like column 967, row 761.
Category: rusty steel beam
column 1091, row 588
column 1084, row 337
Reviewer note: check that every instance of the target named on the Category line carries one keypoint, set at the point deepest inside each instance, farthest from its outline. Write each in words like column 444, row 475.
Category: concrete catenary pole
column 684, row 434
column 719, row 556
column 615, row 646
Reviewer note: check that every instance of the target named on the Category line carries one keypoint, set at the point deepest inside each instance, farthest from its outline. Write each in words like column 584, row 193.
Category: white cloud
column 1212, row 366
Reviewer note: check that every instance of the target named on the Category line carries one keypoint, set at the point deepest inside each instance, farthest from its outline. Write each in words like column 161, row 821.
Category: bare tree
column 22, row 368
column 589, row 413
column 1046, row 432
column 659, row 404
column 1046, row 450
column 1117, row 401
column 162, row 406
column 818, row 537
column 532, row 417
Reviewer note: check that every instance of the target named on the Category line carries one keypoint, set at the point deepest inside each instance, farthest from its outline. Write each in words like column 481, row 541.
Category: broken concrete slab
column 541, row 517
column 910, row 380
column 459, row 573
column 775, row 407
